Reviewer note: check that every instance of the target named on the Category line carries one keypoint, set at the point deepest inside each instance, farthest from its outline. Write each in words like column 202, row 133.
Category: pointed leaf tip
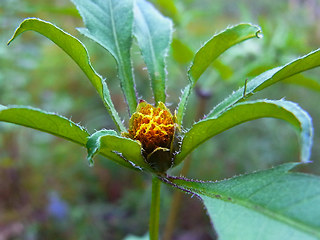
column 218, row 44
column 78, row 52
column 209, row 52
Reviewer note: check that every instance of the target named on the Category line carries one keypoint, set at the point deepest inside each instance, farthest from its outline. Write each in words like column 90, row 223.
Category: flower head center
column 152, row 126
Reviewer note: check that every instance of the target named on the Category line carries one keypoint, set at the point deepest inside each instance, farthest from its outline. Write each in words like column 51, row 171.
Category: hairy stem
column 155, row 209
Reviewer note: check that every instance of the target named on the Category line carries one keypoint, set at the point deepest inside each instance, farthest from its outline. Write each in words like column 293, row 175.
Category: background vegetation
column 47, row 190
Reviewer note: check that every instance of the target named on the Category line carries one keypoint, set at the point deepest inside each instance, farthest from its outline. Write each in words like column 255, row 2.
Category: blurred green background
column 47, row 190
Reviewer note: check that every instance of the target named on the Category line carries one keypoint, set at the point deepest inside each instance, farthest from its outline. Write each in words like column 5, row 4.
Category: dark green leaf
column 268, row 78
column 122, row 150
column 109, row 23
column 77, row 51
column 45, row 122
column 247, row 111
column 153, row 32
column 272, row 204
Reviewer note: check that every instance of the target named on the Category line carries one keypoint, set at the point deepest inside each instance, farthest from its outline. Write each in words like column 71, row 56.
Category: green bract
column 269, row 198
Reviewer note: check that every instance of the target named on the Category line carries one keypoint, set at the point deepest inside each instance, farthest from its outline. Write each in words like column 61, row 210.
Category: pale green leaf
column 122, row 150
column 224, row 70
column 153, row 32
column 268, row 78
column 109, row 23
column 44, row 121
column 77, row 51
column 247, row 111
column 181, row 52
column 169, row 9
column 273, row 204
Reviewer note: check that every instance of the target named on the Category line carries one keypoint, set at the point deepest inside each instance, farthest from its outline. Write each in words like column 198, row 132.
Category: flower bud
column 154, row 128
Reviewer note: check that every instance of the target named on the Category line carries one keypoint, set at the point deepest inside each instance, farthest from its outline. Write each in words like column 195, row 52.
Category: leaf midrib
column 153, row 57
column 256, row 207
column 115, row 36
column 114, row 32
column 126, row 81
column 151, row 46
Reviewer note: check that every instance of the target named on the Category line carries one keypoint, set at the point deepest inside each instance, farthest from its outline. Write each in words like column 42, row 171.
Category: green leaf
column 183, row 104
column 273, row 204
column 181, row 52
column 247, row 111
column 211, row 50
column 303, row 81
column 122, row 150
column 153, row 32
column 224, row 70
column 169, row 9
column 268, row 78
column 77, row 51
column 48, row 8
column 45, row 122
column 219, row 44
column 109, row 23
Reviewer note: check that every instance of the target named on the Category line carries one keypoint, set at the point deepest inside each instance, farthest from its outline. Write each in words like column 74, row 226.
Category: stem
column 177, row 195
column 175, row 204
column 155, row 209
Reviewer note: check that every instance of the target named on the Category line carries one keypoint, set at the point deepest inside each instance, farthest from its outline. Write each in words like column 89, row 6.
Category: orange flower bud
column 154, row 128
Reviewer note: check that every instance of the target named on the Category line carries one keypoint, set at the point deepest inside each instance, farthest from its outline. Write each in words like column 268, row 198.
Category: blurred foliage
column 47, row 191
